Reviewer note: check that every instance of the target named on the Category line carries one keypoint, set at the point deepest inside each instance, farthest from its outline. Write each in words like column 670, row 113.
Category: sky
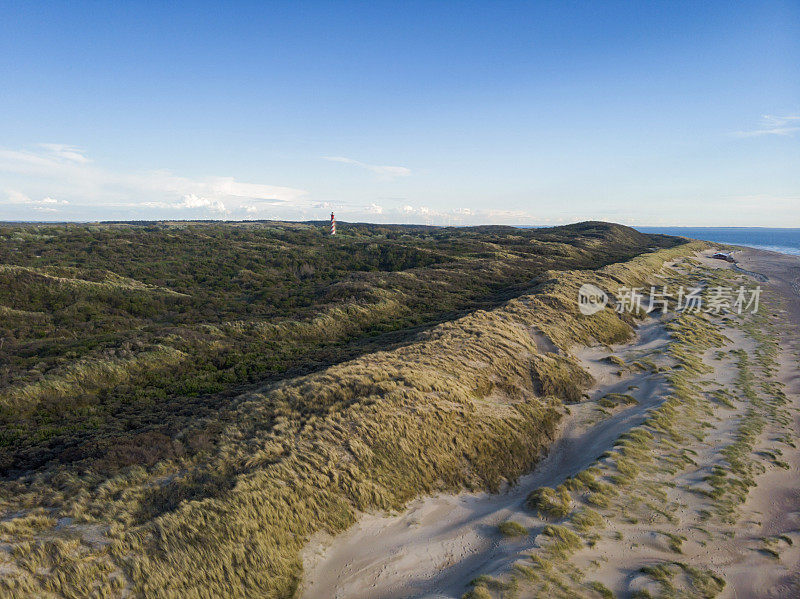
column 451, row 113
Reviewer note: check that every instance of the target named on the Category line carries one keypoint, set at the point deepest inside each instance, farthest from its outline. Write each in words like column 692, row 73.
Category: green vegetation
column 563, row 541
column 550, row 503
column 587, row 519
column 184, row 405
column 616, row 360
column 613, row 400
column 601, row 589
column 478, row 592
column 647, row 476
column 512, row 529
column 696, row 582
column 113, row 331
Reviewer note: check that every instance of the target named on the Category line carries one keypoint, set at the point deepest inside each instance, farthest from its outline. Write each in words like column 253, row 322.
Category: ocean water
column 785, row 241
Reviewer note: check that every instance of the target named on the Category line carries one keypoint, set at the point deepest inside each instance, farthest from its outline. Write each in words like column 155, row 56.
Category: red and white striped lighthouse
column 333, row 225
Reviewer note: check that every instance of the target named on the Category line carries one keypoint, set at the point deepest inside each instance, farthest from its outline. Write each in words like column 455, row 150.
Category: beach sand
column 665, row 515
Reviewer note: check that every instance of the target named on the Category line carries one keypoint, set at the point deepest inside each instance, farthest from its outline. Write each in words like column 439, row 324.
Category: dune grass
column 512, row 529
column 642, row 462
column 223, row 505
column 550, row 503
column 614, row 400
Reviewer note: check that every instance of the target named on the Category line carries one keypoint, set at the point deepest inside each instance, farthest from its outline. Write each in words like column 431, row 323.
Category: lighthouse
column 333, row 225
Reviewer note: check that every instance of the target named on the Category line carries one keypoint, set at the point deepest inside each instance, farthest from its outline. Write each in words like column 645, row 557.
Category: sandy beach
column 701, row 498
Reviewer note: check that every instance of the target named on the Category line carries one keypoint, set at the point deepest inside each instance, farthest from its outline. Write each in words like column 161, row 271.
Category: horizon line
column 325, row 221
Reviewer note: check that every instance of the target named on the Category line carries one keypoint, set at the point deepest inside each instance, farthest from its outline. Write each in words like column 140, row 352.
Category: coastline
column 441, row 543
column 789, row 251
column 784, row 240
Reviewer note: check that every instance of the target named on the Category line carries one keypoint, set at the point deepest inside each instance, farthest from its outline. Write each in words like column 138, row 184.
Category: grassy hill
column 183, row 404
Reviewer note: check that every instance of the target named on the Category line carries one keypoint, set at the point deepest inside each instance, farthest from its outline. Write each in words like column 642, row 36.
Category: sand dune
column 439, row 544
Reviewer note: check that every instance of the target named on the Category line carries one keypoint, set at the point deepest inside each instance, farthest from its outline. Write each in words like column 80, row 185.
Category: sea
column 785, row 241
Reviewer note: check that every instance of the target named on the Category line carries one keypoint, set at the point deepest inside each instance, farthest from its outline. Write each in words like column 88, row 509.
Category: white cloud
column 24, row 162
column 193, row 201
column 374, row 209
column 389, row 172
column 780, row 121
column 60, row 171
column 64, row 152
column 464, row 216
column 17, row 197
column 422, row 210
column 508, row 215
column 228, row 186
column 774, row 125
column 14, row 196
column 190, row 202
column 53, row 157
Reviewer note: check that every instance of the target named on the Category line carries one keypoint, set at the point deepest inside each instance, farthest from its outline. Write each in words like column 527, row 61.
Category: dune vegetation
column 650, row 514
column 184, row 405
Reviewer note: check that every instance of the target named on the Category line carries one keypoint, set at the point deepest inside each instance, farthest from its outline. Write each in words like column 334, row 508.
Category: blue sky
column 660, row 113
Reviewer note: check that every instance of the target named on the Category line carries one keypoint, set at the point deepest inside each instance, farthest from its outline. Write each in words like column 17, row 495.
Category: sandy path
column 436, row 546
